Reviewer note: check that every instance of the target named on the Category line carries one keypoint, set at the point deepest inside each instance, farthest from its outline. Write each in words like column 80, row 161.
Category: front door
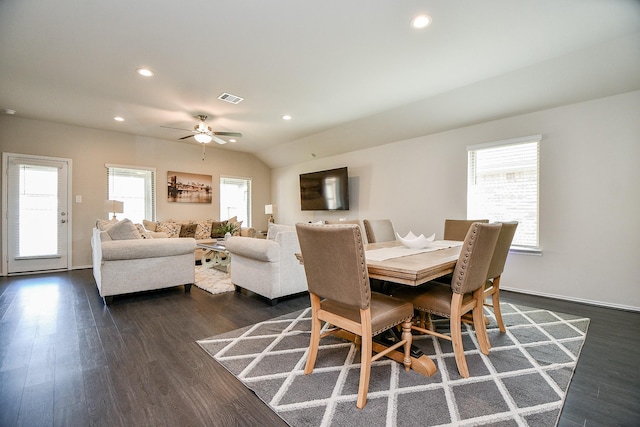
column 37, row 213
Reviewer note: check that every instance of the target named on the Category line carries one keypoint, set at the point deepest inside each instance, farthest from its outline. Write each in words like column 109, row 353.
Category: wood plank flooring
column 67, row 360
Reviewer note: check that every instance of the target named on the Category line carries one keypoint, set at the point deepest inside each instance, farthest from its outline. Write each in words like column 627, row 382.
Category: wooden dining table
column 412, row 270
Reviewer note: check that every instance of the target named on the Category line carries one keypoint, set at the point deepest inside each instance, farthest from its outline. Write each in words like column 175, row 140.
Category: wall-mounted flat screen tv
column 325, row 190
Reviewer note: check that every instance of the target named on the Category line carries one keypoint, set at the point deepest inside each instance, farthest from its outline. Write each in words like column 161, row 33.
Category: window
column 503, row 185
column 136, row 188
column 235, row 199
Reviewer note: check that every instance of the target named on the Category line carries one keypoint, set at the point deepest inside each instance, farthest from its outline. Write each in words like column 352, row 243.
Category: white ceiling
column 351, row 73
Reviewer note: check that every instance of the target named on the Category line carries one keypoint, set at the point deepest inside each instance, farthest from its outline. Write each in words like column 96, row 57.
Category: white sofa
column 139, row 264
column 268, row 266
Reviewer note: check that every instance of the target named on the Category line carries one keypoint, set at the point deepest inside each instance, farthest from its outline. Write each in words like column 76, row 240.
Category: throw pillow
column 171, row 228
column 238, row 228
column 188, row 230
column 215, row 229
column 144, row 233
column 149, row 225
column 123, row 230
column 203, row 231
column 103, row 224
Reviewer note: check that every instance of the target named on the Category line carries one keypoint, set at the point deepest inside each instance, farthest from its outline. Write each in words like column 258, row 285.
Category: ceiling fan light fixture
column 202, row 138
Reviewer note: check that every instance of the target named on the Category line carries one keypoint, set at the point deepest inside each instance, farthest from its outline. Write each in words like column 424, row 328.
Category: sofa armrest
column 258, row 249
column 146, row 248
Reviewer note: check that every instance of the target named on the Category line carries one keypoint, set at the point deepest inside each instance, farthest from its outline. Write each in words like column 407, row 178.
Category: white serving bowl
column 413, row 242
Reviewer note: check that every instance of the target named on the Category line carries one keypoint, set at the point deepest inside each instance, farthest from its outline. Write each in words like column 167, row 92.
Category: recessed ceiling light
column 118, row 119
column 9, row 111
column 145, row 72
column 286, row 117
column 232, row 140
column 421, row 21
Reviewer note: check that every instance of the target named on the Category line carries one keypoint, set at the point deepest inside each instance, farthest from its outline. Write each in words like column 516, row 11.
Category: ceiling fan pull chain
column 203, row 148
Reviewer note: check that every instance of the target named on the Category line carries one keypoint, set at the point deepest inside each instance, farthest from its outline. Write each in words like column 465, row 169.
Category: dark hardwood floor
column 67, row 360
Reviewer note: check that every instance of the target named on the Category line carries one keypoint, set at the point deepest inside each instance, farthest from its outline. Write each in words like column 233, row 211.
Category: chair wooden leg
column 456, row 335
column 407, row 337
column 495, row 298
column 314, row 341
column 365, row 358
column 478, row 322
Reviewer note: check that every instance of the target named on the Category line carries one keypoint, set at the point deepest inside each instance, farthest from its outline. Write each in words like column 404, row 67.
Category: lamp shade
column 268, row 209
column 114, row 206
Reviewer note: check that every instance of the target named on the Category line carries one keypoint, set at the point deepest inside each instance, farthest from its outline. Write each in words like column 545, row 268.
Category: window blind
column 503, row 181
column 235, row 199
column 136, row 188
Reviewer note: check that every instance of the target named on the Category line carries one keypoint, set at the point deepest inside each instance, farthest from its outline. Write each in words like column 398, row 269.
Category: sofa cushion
column 188, row 230
column 172, row 228
column 123, row 230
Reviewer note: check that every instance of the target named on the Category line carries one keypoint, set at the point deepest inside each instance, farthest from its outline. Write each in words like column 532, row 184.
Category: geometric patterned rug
column 523, row 381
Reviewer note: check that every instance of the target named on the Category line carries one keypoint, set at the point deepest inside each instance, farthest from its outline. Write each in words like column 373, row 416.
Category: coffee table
column 215, row 255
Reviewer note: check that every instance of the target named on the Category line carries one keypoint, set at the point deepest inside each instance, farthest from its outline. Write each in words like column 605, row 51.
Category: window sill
column 525, row 251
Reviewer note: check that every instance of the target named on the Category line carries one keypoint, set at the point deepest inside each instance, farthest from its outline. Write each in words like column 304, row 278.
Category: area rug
column 212, row 280
column 523, row 381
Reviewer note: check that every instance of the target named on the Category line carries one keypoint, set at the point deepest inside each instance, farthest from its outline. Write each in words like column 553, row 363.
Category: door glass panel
column 38, row 204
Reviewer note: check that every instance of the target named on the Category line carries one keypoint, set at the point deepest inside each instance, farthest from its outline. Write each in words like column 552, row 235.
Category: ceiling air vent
column 230, row 98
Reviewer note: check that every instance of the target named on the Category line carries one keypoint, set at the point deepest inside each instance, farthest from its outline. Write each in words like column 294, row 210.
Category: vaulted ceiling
column 352, row 74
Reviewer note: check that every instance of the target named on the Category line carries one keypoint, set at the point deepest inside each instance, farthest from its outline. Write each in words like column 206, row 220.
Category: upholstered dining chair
column 496, row 267
column 456, row 229
column 379, row 230
column 464, row 294
column 334, row 262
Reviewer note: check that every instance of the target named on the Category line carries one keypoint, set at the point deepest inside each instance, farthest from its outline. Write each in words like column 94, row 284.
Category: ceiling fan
column 204, row 134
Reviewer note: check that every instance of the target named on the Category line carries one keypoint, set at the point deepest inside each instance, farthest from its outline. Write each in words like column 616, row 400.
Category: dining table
column 393, row 262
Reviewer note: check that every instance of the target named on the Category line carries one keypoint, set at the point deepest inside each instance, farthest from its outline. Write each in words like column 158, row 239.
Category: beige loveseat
column 204, row 231
column 268, row 266
column 125, row 262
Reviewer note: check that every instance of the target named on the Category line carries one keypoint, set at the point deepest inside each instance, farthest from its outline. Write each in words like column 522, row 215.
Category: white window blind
column 136, row 188
column 35, row 190
column 235, row 199
column 503, row 185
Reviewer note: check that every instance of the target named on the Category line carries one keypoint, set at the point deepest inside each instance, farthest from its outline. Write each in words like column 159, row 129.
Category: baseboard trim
column 578, row 300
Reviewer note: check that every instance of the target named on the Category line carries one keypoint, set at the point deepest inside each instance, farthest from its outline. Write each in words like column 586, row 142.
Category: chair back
column 379, row 230
column 496, row 267
column 471, row 269
column 456, row 229
column 334, row 262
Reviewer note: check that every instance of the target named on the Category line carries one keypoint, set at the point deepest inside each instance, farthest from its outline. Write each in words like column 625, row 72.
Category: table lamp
column 268, row 210
column 113, row 206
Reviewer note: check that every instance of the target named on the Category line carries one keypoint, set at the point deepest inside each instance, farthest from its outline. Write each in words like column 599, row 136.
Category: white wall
column 589, row 194
column 90, row 149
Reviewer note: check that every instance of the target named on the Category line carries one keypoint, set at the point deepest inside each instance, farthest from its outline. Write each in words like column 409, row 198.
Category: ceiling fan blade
column 169, row 127
column 218, row 140
column 185, row 137
column 228, row 134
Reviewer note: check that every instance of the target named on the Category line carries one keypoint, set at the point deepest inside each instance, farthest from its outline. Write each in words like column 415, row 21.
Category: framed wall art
column 183, row 187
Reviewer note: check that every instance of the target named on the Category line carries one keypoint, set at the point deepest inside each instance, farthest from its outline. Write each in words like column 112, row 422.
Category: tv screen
column 325, row 190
